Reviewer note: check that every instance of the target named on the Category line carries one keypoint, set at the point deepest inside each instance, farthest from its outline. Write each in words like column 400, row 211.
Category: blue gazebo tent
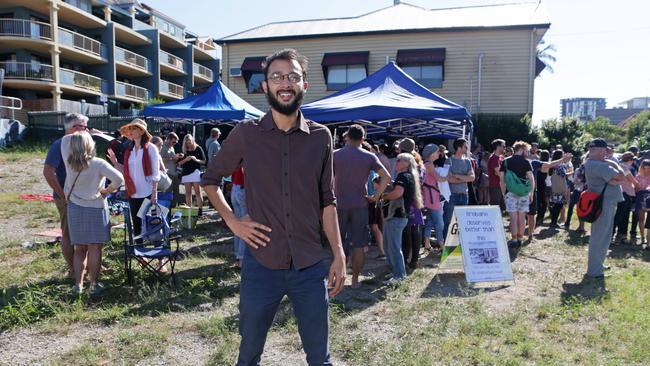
column 391, row 102
column 217, row 104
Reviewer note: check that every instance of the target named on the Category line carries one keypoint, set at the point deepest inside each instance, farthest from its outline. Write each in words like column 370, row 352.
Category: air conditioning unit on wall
column 234, row 71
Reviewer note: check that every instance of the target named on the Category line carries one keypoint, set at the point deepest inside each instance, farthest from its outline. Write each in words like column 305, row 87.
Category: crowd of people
column 395, row 197
column 524, row 180
column 288, row 183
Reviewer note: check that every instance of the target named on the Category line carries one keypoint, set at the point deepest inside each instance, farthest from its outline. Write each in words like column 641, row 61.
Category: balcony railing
column 140, row 25
column 84, row 5
column 205, row 46
column 203, row 71
column 131, row 91
column 171, row 60
column 132, row 59
column 169, row 28
column 80, row 80
column 171, row 89
column 25, row 28
column 79, row 41
column 27, row 70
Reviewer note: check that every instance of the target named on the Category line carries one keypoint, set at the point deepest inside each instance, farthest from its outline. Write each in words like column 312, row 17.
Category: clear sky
column 602, row 45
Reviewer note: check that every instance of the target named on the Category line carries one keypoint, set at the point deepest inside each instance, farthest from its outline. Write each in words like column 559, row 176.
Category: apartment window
column 252, row 72
column 342, row 69
column 340, row 77
column 81, row 4
column 427, row 75
column 426, row 66
column 255, row 83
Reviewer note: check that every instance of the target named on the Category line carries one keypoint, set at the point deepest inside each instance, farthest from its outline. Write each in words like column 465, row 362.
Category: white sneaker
column 96, row 288
column 392, row 281
column 77, row 290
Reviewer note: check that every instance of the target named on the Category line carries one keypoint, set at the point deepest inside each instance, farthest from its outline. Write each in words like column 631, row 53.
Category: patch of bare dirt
column 24, row 176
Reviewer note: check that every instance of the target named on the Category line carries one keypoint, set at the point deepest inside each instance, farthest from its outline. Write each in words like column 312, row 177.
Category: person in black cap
column 602, row 174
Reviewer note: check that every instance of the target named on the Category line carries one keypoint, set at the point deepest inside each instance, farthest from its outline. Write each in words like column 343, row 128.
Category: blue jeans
column 261, row 291
column 393, row 229
column 238, row 199
column 435, row 219
column 456, row 199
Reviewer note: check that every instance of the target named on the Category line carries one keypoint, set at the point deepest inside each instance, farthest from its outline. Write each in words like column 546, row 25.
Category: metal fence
column 49, row 125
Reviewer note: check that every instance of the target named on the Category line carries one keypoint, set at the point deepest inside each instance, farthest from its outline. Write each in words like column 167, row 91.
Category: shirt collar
column 267, row 123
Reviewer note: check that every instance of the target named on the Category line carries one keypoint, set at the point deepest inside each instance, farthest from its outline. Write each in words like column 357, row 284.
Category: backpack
column 558, row 182
column 590, row 205
column 515, row 185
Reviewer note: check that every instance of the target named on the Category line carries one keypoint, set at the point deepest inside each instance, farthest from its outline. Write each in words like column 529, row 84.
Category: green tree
column 567, row 132
column 154, row 101
column 509, row 127
column 638, row 131
column 603, row 128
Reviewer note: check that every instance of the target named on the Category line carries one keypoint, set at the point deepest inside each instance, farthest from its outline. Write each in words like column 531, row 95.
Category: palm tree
column 546, row 55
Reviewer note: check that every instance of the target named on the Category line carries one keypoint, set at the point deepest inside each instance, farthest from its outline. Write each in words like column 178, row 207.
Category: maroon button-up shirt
column 288, row 182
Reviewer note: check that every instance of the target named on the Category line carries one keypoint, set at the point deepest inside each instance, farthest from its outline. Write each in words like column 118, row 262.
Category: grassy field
column 549, row 315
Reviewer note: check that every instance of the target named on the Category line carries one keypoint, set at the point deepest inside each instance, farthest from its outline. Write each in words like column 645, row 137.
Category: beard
column 286, row 109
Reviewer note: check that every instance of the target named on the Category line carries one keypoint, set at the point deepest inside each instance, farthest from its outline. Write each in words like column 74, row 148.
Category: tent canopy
column 391, row 102
column 217, row 103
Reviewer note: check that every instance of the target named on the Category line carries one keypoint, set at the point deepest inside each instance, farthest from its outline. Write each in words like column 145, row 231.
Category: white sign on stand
column 478, row 230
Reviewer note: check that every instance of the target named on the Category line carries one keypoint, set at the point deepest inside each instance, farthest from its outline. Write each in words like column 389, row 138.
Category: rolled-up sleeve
column 154, row 158
column 229, row 158
column 327, row 176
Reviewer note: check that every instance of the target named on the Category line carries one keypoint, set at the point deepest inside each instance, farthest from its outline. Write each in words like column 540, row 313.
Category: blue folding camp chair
column 152, row 248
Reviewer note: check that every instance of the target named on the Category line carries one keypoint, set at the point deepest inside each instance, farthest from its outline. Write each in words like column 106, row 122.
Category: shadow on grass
column 577, row 239
column 514, row 252
column 206, row 283
column 629, row 251
column 454, row 285
column 370, row 292
column 589, row 289
column 546, row 233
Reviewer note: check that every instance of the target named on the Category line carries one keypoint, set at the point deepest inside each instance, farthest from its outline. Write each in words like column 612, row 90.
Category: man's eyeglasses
column 277, row 78
column 81, row 127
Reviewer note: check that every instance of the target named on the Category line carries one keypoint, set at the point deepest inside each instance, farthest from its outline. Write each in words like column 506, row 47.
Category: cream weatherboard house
column 482, row 57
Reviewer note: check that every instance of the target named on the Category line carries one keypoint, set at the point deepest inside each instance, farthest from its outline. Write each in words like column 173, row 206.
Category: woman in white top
column 88, row 219
column 191, row 164
column 141, row 169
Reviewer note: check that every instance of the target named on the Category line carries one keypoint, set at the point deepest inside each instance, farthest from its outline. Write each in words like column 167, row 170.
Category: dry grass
column 547, row 316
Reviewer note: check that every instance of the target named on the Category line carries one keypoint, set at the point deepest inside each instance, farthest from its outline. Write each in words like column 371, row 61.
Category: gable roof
column 403, row 18
column 392, row 101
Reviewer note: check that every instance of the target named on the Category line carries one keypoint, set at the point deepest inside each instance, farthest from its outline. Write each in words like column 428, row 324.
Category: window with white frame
column 254, row 83
column 341, row 76
column 429, row 75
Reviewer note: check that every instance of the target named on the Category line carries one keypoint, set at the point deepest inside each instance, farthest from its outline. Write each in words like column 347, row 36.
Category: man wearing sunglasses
column 287, row 160
column 54, row 173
